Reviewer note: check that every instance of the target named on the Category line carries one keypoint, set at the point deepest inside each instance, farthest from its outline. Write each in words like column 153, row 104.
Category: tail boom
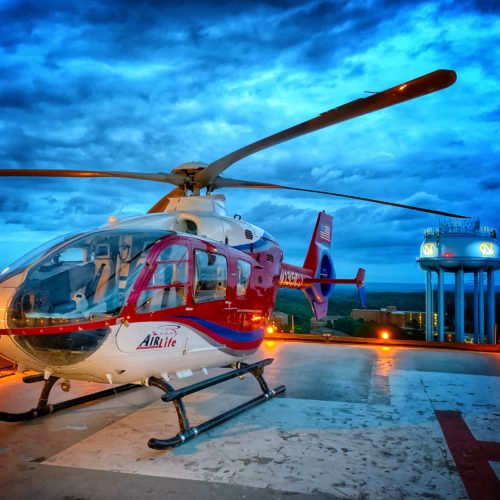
column 317, row 277
column 300, row 277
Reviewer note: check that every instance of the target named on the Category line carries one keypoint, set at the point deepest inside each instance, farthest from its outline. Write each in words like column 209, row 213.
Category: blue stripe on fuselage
column 257, row 246
column 234, row 335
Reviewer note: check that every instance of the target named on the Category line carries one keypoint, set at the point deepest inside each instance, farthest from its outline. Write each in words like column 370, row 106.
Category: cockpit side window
column 168, row 284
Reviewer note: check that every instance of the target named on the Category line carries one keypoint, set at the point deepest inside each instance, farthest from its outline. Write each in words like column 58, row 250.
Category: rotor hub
column 188, row 171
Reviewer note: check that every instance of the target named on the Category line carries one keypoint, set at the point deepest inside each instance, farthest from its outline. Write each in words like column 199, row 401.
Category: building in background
column 403, row 319
column 279, row 321
column 324, row 325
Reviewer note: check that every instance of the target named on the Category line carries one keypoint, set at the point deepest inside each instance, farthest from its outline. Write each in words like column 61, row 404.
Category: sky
column 146, row 86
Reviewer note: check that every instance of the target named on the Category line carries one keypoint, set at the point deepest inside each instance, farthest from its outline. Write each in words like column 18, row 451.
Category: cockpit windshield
column 32, row 256
column 86, row 279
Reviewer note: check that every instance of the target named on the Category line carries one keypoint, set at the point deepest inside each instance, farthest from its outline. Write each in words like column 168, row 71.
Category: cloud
column 94, row 85
column 12, row 205
column 492, row 115
column 490, row 184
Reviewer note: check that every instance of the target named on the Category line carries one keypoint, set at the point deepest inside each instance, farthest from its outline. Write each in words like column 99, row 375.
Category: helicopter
column 179, row 290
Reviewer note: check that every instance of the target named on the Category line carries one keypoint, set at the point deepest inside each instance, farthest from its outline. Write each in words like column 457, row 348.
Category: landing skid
column 188, row 432
column 43, row 408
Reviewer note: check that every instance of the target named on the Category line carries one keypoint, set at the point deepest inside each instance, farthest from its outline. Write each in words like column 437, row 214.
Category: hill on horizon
column 344, row 299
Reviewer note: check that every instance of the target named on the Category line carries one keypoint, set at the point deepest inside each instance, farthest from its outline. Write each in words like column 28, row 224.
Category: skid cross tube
column 187, row 431
column 31, row 379
column 43, row 408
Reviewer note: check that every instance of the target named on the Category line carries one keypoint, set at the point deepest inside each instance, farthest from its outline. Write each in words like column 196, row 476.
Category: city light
column 385, row 335
column 270, row 329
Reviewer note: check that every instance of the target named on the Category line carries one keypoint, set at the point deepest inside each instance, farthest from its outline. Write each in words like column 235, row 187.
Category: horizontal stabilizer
column 358, row 280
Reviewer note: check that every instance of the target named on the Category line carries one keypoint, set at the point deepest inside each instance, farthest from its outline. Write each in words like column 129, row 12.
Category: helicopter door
column 210, row 279
column 168, row 283
column 243, row 311
column 211, row 294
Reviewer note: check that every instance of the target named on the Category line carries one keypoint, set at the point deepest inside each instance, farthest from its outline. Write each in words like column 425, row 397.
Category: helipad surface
column 356, row 422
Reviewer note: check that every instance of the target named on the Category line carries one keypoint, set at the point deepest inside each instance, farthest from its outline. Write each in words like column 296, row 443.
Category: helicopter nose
column 7, row 289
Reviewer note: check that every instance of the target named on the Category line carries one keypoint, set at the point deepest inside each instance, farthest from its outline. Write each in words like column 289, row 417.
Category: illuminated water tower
column 461, row 247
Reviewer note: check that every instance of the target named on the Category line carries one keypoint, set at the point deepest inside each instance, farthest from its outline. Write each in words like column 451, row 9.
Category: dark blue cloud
column 128, row 86
column 490, row 184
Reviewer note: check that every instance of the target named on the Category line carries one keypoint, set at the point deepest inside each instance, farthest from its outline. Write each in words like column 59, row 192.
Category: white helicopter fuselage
column 137, row 350
column 122, row 359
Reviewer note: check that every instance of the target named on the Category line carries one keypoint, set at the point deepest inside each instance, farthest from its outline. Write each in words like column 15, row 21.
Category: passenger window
column 156, row 299
column 210, row 276
column 168, row 274
column 244, row 270
column 168, row 285
column 173, row 252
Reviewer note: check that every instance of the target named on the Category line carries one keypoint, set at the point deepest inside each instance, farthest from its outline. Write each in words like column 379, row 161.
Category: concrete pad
column 344, row 449
column 371, row 434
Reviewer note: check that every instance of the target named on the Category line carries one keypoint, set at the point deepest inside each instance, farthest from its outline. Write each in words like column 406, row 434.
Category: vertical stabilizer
column 319, row 261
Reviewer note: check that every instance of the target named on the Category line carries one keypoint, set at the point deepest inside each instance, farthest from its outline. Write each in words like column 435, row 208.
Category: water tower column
column 476, row 308
column 481, row 308
column 459, row 305
column 491, row 308
column 429, row 313
column 440, row 307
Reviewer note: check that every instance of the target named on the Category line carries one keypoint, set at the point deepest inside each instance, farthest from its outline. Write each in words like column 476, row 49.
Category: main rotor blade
column 161, row 205
column 418, row 87
column 222, row 182
column 29, row 172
